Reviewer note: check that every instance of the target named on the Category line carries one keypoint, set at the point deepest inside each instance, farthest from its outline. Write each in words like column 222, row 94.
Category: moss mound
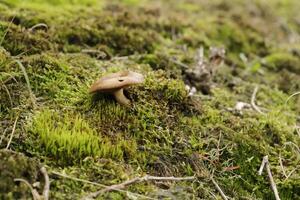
column 280, row 61
column 16, row 165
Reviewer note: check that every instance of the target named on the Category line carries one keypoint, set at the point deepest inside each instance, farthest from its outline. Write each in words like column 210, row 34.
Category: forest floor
column 220, row 93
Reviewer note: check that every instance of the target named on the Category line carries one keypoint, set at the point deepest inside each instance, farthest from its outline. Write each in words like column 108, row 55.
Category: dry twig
column 47, row 183
column 281, row 164
column 282, row 167
column 98, row 184
column 296, row 93
column 180, row 64
column 34, row 192
column 37, row 26
column 6, row 31
column 265, row 164
column 297, row 128
column 12, row 132
column 136, row 180
column 3, row 135
column 8, row 94
column 77, row 179
column 32, row 97
column 291, row 172
column 254, row 106
column 219, row 189
column 8, row 79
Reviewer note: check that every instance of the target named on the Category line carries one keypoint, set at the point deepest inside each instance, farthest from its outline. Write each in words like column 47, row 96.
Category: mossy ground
column 45, row 74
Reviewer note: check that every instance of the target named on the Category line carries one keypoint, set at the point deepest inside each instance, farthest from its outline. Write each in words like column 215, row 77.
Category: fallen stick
column 282, row 167
column 265, row 164
column 34, row 192
column 31, row 94
column 12, row 132
column 179, row 63
column 219, row 189
column 47, row 183
column 98, row 184
column 136, row 180
column 3, row 135
column 38, row 25
column 254, row 106
column 296, row 93
column 6, row 31
column 8, row 94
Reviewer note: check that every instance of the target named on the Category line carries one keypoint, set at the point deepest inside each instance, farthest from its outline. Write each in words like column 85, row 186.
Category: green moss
column 4, row 57
column 166, row 61
column 53, row 5
column 17, row 41
column 280, row 61
column 287, row 82
column 71, row 139
column 16, row 165
column 120, row 38
column 132, row 2
column 189, row 7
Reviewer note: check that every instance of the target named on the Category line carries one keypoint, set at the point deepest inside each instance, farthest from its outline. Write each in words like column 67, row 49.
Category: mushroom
column 115, row 83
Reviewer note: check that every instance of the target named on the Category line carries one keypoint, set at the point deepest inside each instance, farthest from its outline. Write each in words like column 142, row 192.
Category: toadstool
column 115, row 83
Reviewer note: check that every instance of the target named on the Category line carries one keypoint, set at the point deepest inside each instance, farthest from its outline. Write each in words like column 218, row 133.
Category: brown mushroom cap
column 114, row 84
column 116, row 81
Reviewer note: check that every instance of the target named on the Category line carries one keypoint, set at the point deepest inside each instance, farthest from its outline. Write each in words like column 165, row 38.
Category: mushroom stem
column 120, row 97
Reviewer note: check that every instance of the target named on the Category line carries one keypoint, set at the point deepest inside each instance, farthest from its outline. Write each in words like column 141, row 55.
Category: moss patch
column 72, row 140
column 280, row 61
column 16, row 165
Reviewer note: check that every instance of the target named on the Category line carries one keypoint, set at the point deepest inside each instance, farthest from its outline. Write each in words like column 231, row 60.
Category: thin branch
column 219, row 189
column 265, row 164
column 113, row 187
column 20, row 54
column 12, row 132
column 179, row 63
column 170, row 178
column 280, row 159
column 98, row 184
column 288, row 176
column 47, row 183
column 32, row 97
column 262, row 166
column 6, row 31
column 34, row 193
column 38, row 25
column 273, row 185
column 136, row 180
column 297, row 128
column 200, row 57
column 8, row 94
column 297, row 93
column 254, row 106
column 218, row 146
column 283, row 170
column 3, row 134
column 8, row 79
column 77, row 179
column 282, row 167
column 125, row 57
column 293, row 144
